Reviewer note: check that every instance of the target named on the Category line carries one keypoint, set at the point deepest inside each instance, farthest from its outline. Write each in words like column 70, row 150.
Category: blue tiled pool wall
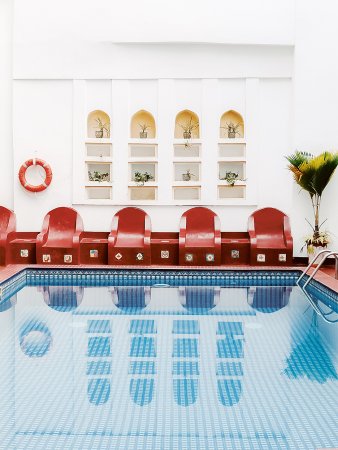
column 90, row 278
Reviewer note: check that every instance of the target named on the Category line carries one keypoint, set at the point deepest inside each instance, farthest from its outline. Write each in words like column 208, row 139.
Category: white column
column 251, row 127
column 7, row 179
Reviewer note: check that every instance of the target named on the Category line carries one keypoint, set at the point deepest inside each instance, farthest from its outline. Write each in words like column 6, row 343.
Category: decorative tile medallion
column 68, row 259
column 282, row 257
column 139, row 256
column 46, row 258
column 261, row 257
column 189, row 257
column 24, row 253
column 93, row 253
column 210, row 257
column 118, row 256
column 164, row 254
column 235, row 254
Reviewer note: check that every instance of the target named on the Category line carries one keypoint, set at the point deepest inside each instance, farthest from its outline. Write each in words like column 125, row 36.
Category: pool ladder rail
column 328, row 253
column 313, row 304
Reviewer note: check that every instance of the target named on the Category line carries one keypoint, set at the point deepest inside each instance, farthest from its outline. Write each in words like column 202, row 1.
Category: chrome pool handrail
column 329, row 253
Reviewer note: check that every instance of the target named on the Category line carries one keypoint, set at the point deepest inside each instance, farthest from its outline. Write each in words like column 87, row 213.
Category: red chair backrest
column 131, row 226
column 7, row 220
column 269, row 221
column 62, row 226
column 200, row 225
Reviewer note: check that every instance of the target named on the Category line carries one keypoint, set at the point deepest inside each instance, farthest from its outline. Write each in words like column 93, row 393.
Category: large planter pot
column 99, row 134
column 313, row 255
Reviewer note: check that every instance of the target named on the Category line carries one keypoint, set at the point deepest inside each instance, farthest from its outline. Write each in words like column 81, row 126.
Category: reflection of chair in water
column 62, row 298
column 196, row 298
column 131, row 297
column 185, row 365
column 230, row 354
column 269, row 299
column 142, row 372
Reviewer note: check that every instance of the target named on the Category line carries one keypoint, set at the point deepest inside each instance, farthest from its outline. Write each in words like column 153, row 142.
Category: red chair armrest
column 287, row 233
column 217, row 226
column 113, row 234
column 252, row 232
column 183, row 231
column 147, row 230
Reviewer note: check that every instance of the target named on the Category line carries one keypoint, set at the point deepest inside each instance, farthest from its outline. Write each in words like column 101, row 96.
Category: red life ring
column 40, row 187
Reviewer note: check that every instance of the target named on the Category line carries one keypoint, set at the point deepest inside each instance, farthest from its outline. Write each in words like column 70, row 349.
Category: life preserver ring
column 31, row 187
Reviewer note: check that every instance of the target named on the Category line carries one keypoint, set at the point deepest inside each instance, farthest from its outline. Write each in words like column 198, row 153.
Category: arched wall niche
column 98, row 121
column 142, row 125
column 187, row 121
column 230, row 118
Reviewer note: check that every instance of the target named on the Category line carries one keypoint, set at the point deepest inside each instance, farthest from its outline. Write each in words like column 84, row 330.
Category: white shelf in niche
column 183, row 151
column 186, row 193
column 142, row 151
column 180, row 168
column 98, row 184
column 99, row 192
column 190, row 141
column 143, row 141
column 185, row 184
column 232, row 159
column 147, row 184
column 150, row 167
column 231, row 192
column 231, row 166
column 98, row 140
column 142, row 193
column 232, row 140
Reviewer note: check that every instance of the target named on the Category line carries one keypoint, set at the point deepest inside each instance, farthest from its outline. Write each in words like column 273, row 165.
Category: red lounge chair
column 270, row 237
column 59, row 240
column 200, row 238
column 129, row 240
column 7, row 230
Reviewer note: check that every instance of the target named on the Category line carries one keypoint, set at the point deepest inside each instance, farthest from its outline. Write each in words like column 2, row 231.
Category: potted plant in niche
column 101, row 128
column 313, row 173
column 231, row 129
column 231, row 178
column 98, row 176
column 187, row 176
column 144, row 127
column 188, row 127
column 142, row 178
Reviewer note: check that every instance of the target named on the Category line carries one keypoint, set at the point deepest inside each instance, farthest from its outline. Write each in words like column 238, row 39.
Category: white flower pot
column 315, row 253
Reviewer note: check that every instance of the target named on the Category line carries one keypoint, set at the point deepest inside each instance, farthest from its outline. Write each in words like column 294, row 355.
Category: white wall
column 78, row 41
column 6, row 145
column 316, row 103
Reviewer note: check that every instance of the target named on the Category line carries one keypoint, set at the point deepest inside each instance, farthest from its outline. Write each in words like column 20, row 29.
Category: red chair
column 270, row 237
column 200, row 238
column 129, row 240
column 7, row 230
column 59, row 240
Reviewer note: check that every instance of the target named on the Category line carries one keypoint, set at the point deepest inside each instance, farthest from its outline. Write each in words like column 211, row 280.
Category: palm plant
column 313, row 173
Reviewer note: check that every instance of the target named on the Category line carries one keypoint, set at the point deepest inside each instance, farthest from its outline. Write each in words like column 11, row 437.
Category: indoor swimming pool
column 167, row 360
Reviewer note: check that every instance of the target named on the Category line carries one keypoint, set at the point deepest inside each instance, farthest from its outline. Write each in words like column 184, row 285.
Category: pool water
column 158, row 366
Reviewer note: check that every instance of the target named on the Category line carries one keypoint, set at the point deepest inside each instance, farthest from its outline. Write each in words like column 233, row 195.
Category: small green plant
column 188, row 127
column 144, row 127
column 98, row 176
column 102, row 127
column 187, row 176
column 231, row 129
column 142, row 178
column 231, row 178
